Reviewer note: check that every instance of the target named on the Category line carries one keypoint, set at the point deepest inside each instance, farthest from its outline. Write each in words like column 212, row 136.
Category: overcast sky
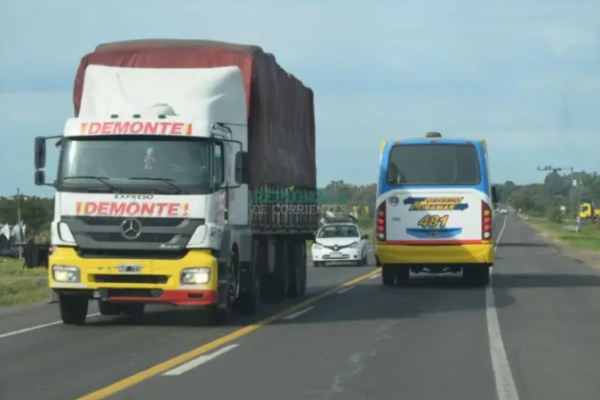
column 524, row 75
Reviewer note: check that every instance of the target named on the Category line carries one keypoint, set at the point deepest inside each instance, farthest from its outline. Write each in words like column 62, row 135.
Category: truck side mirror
column 40, row 152
column 494, row 195
column 242, row 168
column 40, row 178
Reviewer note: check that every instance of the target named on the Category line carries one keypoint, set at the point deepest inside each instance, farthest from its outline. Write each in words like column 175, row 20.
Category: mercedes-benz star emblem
column 131, row 229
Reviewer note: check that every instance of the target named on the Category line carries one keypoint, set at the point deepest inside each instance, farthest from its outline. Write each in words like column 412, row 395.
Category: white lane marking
column 344, row 290
column 298, row 313
column 196, row 362
column 375, row 276
column 500, row 235
column 505, row 383
column 35, row 328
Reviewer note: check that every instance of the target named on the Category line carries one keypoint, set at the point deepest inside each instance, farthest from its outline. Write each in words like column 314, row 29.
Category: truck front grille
column 144, row 237
column 139, row 279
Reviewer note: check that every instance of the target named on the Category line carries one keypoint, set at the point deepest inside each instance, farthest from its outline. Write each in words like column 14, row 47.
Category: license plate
column 336, row 255
column 130, row 268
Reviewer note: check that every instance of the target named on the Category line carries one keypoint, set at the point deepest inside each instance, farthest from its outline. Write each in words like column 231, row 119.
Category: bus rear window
column 439, row 164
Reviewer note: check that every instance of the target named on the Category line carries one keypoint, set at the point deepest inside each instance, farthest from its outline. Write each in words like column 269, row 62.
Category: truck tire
column 388, row 275
column 108, row 308
column 249, row 301
column 304, row 273
column 133, row 309
column 73, row 309
column 476, row 275
column 298, row 276
column 281, row 277
column 220, row 314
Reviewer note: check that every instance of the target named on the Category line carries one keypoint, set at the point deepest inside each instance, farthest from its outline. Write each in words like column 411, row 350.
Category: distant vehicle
column 339, row 240
column 503, row 211
column 588, row 213
column 434, row 209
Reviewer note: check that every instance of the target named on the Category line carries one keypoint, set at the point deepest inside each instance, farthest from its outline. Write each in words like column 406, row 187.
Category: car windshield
column 440, row 164
column 338, row 231
column 136, row 164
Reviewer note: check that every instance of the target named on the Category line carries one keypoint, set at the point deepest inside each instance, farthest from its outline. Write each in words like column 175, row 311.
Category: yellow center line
column 190, row 355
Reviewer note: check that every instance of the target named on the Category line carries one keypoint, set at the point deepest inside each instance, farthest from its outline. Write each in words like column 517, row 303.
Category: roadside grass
column 20, row 285
column 588, row 238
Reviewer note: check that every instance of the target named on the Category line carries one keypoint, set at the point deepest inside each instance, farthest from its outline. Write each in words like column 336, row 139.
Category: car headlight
column 66, row 273
column 317, row 246
column 195, row 276
column 354, row 246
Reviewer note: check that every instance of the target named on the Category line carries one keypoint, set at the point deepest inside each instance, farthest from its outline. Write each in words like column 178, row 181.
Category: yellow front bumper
column 435, row 254
column 103, row 273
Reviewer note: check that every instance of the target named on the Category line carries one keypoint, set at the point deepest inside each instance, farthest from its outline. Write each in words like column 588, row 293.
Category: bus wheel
column 403, row 275
column 476, row 275
column 388, row 274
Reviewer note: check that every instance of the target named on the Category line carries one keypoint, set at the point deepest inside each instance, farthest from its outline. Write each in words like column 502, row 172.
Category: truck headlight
column 195, row 276
column 66, row 273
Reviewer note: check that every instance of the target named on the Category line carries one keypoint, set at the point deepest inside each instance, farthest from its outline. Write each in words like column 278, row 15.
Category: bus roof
column 437, row 140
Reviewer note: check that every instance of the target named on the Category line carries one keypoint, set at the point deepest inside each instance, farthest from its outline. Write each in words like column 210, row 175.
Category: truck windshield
column 136, row 165
column 439, row 164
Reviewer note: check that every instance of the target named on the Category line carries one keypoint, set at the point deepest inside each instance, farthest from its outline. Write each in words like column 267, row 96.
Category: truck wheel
column 388, row 275
column 217, row 315
column 134, row 309
column 281, row 278
column 108, row 308
column 220, row 314
column 403, row 275
column 73, row 309
column 304, row 269
column 298, row 275
column 476, row 275
column 249, row 301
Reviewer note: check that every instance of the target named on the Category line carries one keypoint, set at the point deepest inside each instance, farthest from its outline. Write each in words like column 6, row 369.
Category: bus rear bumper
column 481, row 253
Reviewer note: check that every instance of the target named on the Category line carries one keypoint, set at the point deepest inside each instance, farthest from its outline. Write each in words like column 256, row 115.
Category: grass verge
column 19, row 285
column 588, row 238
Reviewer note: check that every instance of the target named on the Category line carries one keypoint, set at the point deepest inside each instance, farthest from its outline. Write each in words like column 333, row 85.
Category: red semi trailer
column 187, row 177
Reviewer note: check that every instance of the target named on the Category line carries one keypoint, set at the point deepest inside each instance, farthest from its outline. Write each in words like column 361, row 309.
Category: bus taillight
column 486, row 221
column 380, row 222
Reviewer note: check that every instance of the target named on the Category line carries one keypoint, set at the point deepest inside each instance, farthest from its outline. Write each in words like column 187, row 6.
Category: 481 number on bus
column 434, row 221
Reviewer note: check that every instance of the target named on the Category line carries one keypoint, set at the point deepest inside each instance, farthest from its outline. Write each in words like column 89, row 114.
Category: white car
column 343, row 242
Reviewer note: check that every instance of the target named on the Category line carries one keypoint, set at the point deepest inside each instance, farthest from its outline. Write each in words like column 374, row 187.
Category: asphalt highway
column 534, row 334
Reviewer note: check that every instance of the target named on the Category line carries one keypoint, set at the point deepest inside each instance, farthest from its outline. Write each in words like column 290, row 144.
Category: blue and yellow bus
column 434, row 209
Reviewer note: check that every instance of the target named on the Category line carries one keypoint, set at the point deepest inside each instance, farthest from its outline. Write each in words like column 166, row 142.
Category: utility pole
column 573, row 184
column 19, row 222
